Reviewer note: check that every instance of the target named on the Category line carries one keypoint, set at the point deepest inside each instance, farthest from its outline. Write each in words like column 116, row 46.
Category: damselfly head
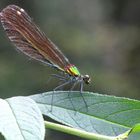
column 86, row 79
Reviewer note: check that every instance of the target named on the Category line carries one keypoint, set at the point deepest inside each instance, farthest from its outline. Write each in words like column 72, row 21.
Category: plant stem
column 77, row 132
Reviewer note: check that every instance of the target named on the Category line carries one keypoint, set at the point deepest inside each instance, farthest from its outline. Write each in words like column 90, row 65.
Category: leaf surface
column 21, row 119
column 106, row 115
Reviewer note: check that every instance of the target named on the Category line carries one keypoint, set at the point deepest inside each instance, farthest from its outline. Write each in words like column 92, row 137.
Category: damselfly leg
column 66, row 81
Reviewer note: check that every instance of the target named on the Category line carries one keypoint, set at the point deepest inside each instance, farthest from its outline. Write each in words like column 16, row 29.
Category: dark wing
column 27, row 37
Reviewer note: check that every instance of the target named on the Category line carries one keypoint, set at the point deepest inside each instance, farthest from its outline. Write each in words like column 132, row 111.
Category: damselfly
column 28, row 38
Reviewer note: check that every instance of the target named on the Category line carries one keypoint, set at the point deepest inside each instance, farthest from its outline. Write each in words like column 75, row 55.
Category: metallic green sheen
column 75, row 70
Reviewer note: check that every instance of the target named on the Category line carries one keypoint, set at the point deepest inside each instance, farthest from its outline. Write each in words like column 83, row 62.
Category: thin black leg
column 73, row 86
column 81, row 90
column 66, row 83
column 59, row 77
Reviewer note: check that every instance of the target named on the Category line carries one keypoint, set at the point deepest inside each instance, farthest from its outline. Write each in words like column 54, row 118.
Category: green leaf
column 134, row 136
column 21, row 119
column 105, row 115
column 136, row 128
column 135, row 132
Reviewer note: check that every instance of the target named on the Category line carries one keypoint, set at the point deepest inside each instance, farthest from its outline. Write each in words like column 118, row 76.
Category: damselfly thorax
column 73, row 71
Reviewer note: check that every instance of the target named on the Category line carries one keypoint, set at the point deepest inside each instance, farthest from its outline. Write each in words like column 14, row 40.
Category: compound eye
column 86, row 79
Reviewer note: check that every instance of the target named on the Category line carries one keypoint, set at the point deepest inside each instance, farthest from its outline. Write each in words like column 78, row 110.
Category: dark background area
column 101, row 37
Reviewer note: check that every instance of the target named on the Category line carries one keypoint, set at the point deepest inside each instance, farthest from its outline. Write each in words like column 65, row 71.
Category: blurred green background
column 101, row 37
